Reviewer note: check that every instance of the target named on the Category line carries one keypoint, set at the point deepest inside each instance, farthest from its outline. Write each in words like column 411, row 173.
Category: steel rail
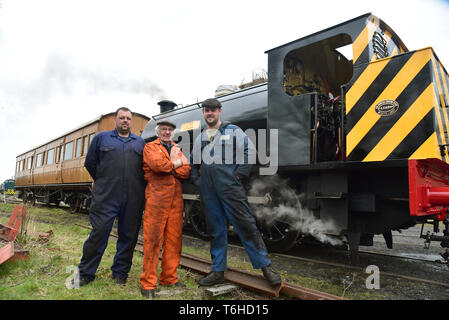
column 334, row 264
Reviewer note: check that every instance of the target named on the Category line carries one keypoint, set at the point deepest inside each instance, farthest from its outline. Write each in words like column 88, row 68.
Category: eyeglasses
column 166, row 129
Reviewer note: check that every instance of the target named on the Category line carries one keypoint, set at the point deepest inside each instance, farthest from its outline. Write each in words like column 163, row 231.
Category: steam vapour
column 286, row 206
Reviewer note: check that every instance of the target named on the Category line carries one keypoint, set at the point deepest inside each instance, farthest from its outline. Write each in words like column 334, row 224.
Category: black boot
column 271, row 275
column 120, row 280
column 149, row 294
column 214, row 277
column 84, row 280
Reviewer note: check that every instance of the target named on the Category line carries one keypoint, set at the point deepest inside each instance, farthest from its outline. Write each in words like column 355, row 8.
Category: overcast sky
column 65, row 62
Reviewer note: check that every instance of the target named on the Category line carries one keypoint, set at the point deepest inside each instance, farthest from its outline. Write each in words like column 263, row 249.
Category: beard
column 212, row 122
column 122, row 130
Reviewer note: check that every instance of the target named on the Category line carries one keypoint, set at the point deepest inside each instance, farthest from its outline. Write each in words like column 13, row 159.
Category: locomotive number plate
column 386, row 107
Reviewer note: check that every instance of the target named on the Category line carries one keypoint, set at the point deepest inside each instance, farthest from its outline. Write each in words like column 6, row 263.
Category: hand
column 175, row 153
column 177, row 163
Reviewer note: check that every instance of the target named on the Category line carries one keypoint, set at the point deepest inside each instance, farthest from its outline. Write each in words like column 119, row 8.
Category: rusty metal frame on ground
column 8, row 233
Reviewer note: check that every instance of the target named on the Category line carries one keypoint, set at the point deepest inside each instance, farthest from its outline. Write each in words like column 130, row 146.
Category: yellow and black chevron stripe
column 363, row 47
column 417, row 84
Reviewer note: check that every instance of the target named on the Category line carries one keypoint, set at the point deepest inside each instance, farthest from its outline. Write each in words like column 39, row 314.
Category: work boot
column 120, row 280
column 214, row 277
column 149, row 294
column 271, row 275
column 84, row 280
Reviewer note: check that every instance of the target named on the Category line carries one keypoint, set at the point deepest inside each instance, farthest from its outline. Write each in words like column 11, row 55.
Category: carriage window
column 68, row 151
column 91, row 137
column 58, row 154
column 39, row 160
column 78, row 147
column 50, row 156
column 85, row 144
column 29, row 163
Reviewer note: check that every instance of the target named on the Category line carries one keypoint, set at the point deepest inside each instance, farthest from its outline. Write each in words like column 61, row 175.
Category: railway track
column 245, row 279
column 390, row 274
column 347, row 266
column 401, row 257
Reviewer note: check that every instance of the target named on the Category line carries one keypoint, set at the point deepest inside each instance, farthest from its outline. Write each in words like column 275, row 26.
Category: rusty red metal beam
column 6, row 251
column 306, row 293
column 10, row 231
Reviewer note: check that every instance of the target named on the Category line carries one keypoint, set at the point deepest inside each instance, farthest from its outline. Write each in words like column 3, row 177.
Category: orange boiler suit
column 163, row 217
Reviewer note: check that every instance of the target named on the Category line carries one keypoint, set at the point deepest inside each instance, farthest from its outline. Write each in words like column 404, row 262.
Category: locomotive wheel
column 28, row 199
column 29, row 202
column 278, row 237
column 275, row 226
column 75, row 205
column 198, row 219
column 186, row 214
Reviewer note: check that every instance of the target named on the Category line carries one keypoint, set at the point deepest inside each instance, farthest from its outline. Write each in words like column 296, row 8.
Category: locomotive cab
column 320, row 69
column 307, row 80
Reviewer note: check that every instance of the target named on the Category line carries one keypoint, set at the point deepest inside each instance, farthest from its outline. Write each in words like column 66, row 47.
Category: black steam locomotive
column 357, row 139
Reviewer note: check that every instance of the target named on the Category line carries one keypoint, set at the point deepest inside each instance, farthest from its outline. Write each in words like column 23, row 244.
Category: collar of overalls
column 171, row 143
column 220, row 128
column 114, row 133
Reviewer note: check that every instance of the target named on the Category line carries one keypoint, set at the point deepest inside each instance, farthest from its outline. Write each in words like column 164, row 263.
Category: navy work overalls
column 115, row 164
column 223, row 194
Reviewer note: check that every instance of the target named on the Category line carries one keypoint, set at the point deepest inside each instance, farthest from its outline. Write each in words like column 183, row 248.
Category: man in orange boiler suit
column 164, row 165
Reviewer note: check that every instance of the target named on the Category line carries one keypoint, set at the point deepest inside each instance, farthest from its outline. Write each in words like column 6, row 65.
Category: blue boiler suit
column 215, row 166
column 115, row 164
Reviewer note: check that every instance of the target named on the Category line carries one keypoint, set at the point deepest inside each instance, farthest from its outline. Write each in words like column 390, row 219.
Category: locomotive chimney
column 166, row 105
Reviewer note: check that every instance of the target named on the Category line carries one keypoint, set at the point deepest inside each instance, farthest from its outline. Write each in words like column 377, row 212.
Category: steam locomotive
column 362, row 139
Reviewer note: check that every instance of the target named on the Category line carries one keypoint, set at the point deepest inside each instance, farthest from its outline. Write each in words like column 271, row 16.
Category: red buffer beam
column 428, row 188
